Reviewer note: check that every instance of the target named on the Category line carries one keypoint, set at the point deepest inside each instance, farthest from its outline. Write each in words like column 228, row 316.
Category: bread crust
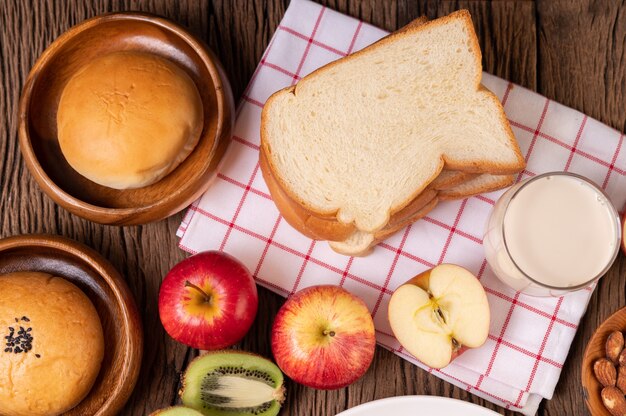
column 451, row 179
column 499, row 182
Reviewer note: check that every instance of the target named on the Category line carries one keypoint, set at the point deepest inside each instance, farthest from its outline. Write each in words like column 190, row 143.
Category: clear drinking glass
column 497, row 239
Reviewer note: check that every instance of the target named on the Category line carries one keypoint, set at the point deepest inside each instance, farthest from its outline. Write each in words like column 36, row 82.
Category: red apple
column 323, row 337
column 208, row 301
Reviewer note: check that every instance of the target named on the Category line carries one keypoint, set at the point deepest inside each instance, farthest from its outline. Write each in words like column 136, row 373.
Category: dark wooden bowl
column 70, row 52
column 95, row 276
column 594, row 351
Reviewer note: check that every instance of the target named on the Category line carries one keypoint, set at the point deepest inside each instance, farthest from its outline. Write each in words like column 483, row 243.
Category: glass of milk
column 552, row 234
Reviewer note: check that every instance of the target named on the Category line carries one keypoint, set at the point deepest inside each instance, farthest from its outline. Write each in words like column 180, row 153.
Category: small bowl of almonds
column 604, row 368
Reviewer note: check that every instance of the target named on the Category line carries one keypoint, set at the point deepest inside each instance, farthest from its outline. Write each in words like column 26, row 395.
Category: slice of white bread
column 360, row 138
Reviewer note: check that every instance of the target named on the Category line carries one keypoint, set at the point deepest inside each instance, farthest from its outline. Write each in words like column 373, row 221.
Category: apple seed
column 440, row 315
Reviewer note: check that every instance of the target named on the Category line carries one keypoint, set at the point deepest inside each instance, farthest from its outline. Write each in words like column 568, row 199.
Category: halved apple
column 438, row 312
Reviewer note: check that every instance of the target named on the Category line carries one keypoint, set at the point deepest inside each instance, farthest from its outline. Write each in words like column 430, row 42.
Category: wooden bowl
column 68, row 54
column 95, row 276
column 594, row 351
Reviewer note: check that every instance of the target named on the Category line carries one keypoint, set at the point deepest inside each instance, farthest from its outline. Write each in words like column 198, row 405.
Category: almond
column 614, row 346
column 614, row 401
column 622, row 358
column 621, row 379
column 605, row 372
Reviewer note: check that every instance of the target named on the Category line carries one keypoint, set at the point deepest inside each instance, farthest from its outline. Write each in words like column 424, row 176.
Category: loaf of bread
column 360, row 139
column 127, row 119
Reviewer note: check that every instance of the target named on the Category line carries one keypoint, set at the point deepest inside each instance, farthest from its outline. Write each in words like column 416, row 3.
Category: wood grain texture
column 570, row 51
column 582, row 64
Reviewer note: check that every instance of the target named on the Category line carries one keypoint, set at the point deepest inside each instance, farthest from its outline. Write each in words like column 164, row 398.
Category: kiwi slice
column 176, row 411
column 233, row 383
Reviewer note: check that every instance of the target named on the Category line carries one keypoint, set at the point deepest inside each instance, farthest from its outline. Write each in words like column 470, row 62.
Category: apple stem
column 329, row 332
column 207, row 297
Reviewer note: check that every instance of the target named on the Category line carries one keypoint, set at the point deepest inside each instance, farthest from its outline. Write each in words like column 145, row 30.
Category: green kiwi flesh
column 233, row 383
column 176, row 411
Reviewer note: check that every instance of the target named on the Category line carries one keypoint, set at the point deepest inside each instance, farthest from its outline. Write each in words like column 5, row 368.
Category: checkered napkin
column 529, row 337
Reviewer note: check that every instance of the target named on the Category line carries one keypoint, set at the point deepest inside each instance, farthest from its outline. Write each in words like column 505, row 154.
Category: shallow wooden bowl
column 68, row 54
column 116, row 308
column 594, row 351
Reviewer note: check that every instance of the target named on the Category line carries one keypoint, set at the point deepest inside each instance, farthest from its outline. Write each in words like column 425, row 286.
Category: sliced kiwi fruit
column 177, row 411
column 233, row 383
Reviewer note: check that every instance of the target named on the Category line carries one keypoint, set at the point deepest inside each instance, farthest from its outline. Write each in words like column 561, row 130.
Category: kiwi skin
column 176, row 411
column 203, row 365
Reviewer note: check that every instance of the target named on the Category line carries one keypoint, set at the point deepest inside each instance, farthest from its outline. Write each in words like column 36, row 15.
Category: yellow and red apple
column 208, row 301
column 323, row 337
column 437, row 313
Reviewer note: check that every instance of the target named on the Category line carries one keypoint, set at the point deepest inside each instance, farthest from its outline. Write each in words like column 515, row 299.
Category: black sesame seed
column 37, row 355
column 16, row 320
column 25, row 319
column 20, row 342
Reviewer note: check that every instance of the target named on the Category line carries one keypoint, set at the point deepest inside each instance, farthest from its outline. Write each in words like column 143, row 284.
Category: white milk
column 559, row 230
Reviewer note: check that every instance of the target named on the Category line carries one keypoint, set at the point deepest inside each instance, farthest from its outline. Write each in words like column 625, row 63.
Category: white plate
column 418, row 406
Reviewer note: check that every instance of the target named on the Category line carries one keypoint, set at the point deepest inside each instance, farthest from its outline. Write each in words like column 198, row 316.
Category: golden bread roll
column 128, row 119
column 51, row 344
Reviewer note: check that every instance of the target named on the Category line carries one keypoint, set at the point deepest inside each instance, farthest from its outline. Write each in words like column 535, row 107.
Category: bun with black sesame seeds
column 51, row 344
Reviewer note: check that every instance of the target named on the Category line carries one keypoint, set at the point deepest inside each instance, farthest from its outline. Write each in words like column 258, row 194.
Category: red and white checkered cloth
column 529, row 337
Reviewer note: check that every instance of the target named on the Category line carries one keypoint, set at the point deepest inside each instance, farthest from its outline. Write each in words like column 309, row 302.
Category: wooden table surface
column 571, row 51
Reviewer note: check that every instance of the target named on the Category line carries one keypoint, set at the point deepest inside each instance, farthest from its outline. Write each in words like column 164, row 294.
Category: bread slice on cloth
column 359, row 139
